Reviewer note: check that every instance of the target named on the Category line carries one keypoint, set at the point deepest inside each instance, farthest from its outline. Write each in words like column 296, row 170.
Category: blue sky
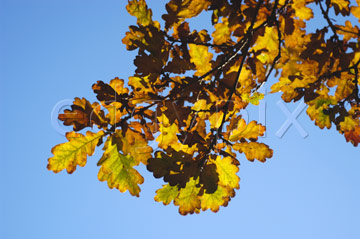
column 55, row 50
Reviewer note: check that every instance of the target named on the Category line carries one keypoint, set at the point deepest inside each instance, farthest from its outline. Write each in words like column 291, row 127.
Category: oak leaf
column 201, row 57
column 166, row 194
column 187, row 199
column 83, row 114
column 139, row 9
column 247, row 131
column 341, row 6
column 222, row 32
column 227, row 170
column 355, row 10
column 220, row 197
column 353, row 136
column 74, row 152
column 117, row 168
column 254, row 150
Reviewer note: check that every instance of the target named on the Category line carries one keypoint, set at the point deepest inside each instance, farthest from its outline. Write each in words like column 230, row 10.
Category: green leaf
column 166, row 194
column 117, row 168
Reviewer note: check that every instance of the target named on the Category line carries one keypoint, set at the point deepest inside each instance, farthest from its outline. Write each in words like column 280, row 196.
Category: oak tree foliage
column 189, row 86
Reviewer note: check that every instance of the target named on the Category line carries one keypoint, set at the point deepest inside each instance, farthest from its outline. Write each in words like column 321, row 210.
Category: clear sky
column 55, row 50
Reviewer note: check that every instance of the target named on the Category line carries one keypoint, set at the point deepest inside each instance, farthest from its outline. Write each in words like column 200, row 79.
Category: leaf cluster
column 190, row 85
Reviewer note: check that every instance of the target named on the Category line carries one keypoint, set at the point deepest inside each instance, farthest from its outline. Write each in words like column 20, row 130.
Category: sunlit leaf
column 227, row 172
column 254, row 150
column 139, row 9
column 222, row 32
column 166, row 194
column 201, row 57
column 192, row 84
column 74, row 152
column 220, row 197
column 117, row 168
column 188, row 200
column 247, row 131
column 301, row 10
column 355, row 10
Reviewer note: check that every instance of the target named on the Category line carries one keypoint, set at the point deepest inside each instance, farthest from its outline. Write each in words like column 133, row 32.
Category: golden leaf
column 247, row 131
column 136, row 145
column 301, row 11
column 139, row 9
column 254, row 150
column 70, row 154
column 201, row 57
column 220, row 197
column 168, row 132
column 215, row 119
column 188, row 200
column 341, row 6
column 227, row 170
column 222, row 32
column 191, row 8
column 345, row 85
column 355, row 10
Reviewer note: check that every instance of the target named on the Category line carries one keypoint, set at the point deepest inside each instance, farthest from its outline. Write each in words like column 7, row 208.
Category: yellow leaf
column 220, row 197
column 166, row 194
column 227, row 172
column 184, row 147
column 191, row 8
column 167, row 132
column 356, row 10
column 301, row 11
column 141, row 88
column 136, row 145
column 188, row 200
column 348, row 31
column 269, row 42
column 180, row 10
column 118, row 85
column 253, row 99
column 341, row 6
column 114, row 113
column 316, row 112
column 222, row 32
column 70, row 154
column 201, row 57
column 216, row 119
column 117, row 168
column 345, row 85
column 254, row 150
column 139, row 9
column 133, row 36
column 348, row 124
column 302, row 76
column 245, row 81
column 247, row 131
column 200, row 105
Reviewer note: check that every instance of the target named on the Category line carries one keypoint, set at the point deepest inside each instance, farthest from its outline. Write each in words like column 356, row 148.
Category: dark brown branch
column 331, row 25
column 173, row 40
